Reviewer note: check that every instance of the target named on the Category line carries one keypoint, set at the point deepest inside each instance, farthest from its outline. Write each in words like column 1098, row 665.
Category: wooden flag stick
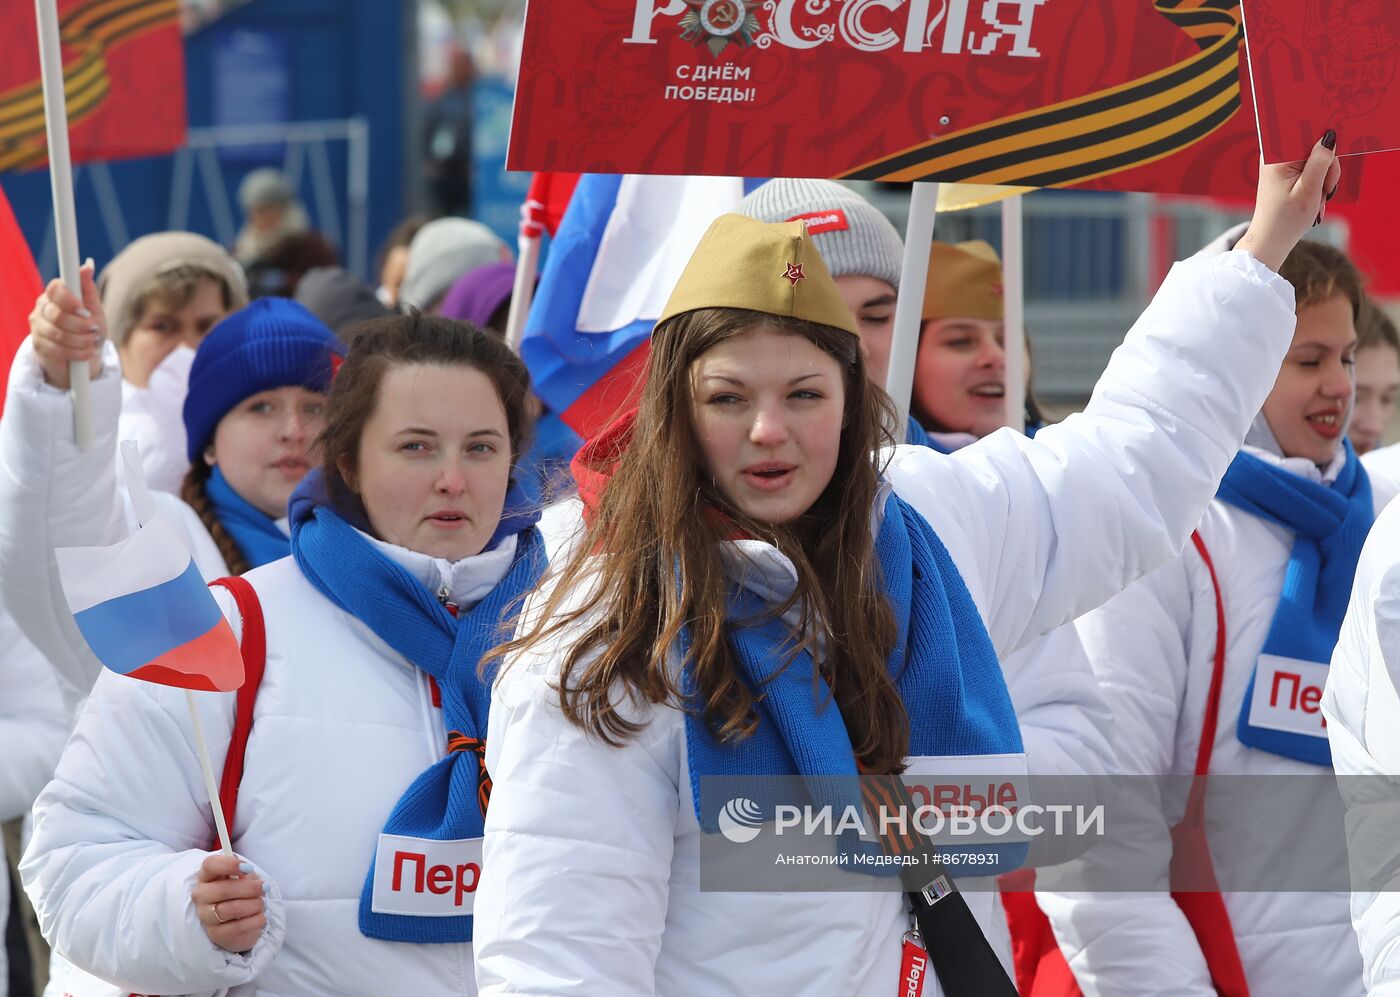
column 909, row 310
column 65, row 215
column 209, row 781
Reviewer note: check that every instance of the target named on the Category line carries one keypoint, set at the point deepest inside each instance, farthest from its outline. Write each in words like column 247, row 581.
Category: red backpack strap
column 1041, row 969
column 254, row 644
column 1194, row 886
column 1217, row 675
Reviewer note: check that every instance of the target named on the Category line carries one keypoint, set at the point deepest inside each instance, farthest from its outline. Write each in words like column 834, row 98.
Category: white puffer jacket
column 33, row 726
column 1065, row 725
column 1153, row 649
column 1383, row 468
column 593, row 851
column 1362, row 707
column 343, row 724
column 54, row 495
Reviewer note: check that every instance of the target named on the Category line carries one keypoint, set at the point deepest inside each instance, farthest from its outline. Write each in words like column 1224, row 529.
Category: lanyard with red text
column 914, row 965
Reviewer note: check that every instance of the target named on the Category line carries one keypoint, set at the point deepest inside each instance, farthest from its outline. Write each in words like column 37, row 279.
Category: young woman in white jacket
column 601, row 731
column 255, row 406
column 359, row 814
column 1064, row 722
column 1296, row 506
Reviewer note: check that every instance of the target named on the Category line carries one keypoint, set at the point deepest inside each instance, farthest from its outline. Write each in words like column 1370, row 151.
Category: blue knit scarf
column 255, row 533
column 442, row 803
column 1330, row 525
column 943, row 664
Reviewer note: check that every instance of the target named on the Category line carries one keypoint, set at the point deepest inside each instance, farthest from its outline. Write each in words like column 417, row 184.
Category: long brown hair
column 661, row 518
column 192, row 490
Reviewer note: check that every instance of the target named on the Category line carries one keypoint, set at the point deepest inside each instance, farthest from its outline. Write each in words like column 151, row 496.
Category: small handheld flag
column 146, row 612
column 143, row 607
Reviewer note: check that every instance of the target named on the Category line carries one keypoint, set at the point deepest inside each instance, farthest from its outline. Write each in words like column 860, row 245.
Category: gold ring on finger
column 214, row 909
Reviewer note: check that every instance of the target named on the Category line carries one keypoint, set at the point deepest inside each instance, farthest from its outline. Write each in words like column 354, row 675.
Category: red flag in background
column 124, row 70
column 1373, row 222
column 549, row 198
column 19, row 286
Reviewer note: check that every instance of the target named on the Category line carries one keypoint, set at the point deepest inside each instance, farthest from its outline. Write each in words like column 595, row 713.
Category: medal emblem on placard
column 718, row 23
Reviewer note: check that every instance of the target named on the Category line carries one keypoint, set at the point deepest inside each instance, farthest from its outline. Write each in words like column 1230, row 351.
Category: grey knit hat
column 131, row 273
column 442, row 252
column 852, row 236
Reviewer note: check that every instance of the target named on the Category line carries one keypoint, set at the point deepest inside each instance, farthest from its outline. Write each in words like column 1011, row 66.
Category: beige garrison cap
column 772, row 268
column 964, row 281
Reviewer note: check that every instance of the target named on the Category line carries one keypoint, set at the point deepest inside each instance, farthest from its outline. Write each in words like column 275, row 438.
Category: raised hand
column 1292, row 198
column 66, row 330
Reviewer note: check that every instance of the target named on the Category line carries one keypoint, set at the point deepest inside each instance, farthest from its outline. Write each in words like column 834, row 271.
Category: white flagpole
column 64, row 214
column 527, row 267
column 909, row 310
column 209, row 783
column 1014, row 297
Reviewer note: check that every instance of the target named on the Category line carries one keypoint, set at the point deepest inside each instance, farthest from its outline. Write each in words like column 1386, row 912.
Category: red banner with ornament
column 124, row 76
column 1140, row 95
column 1328, row 64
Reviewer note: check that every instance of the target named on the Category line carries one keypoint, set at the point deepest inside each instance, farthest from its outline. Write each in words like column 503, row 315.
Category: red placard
column 124, row 72
column 19, row 286
column 1328, row 64
column 1114, row 94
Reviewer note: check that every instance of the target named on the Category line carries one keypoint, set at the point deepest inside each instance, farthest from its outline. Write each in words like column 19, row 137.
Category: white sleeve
column 1065, row 727
column 564, row 801
column 1046, row 529
column 54, row 495
column 1362, row 708
column 1122, row 944
column 119, row 836
column 33, row 721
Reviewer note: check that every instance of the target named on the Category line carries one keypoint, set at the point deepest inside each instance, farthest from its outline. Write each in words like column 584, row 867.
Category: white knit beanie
column 442, row 252
column 851, row 234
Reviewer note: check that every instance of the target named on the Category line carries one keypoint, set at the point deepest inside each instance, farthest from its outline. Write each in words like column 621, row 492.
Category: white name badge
column 418, row 877
column 1288, row 696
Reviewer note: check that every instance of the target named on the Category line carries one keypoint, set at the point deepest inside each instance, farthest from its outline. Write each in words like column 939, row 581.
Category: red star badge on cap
column 794, row 273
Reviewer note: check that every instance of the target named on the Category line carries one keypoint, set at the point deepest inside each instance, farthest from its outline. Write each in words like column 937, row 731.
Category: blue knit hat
column 272, row 343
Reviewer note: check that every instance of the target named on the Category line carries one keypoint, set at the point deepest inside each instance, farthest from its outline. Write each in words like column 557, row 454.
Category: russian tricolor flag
column 144, row 608
column 613, row 263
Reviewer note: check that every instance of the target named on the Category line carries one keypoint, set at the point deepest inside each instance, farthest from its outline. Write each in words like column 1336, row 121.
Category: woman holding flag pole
column 254, row 408
column 255, row 405
column 359, row 812
column 745, row 485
